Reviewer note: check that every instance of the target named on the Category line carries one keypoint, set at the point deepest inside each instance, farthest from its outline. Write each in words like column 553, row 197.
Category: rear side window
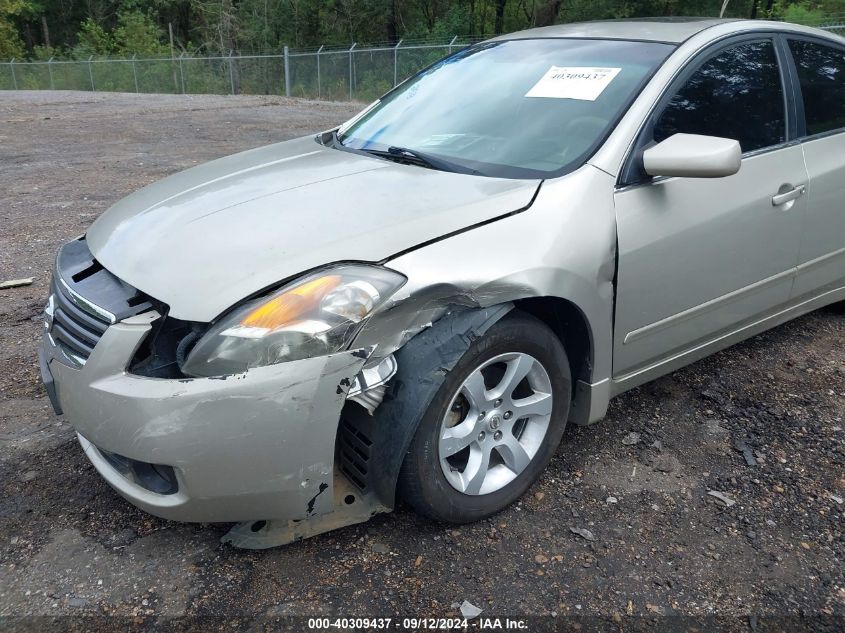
column 735, row 94
column 821, row 72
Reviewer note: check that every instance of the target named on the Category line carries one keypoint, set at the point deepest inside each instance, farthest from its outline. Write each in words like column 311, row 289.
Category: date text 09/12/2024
column 416, row 624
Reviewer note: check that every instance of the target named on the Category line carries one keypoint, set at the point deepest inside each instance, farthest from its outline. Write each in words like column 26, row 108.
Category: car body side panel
column 611, row 158
column 822, row 259
column 699, row 256
column 570, row 230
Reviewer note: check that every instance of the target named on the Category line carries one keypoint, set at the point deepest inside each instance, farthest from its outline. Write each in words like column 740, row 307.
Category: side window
column 735, row 94
column 821, row 72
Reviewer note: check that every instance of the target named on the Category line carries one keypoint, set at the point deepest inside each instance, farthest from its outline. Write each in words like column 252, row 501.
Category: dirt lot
column 663, row 547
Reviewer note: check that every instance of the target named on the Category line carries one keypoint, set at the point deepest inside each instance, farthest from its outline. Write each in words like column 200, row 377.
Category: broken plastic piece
column 723, row 498
column 15, row 283
column 350, row 507
column 469, row 610
column 369, row 386
column 583, row 533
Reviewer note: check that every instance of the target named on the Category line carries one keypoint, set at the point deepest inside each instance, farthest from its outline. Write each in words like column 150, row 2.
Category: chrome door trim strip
column 680, row 359
column 818, row 261
column 695, row 311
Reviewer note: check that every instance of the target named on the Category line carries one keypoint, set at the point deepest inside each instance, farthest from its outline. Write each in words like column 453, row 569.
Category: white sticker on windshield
column 573, row 82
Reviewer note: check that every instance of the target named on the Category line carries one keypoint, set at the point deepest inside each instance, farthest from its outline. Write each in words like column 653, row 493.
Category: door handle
column 792, row 194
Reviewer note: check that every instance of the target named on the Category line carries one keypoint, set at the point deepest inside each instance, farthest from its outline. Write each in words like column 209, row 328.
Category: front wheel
column 493, row 425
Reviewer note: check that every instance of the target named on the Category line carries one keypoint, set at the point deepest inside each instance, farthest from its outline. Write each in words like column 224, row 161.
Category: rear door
column 820, row 69
column 699, row 256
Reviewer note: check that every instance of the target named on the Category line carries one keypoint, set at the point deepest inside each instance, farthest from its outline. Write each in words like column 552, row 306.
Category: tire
column 443, row 477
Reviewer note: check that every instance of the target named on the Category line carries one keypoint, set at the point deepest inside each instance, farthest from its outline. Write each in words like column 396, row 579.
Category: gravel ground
column 666, row 553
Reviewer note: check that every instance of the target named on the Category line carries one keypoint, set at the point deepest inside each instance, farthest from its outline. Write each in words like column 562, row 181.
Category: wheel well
column 569, row 324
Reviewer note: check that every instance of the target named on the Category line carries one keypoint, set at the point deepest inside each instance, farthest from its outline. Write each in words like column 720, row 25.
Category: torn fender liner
column 424, row 362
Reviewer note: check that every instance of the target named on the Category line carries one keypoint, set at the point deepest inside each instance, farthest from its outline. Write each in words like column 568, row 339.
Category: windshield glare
column 472, row 109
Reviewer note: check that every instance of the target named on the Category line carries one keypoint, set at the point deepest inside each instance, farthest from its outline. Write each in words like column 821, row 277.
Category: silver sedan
column 416, row 303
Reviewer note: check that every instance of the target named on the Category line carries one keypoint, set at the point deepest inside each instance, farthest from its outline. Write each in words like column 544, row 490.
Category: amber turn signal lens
column 291, row 305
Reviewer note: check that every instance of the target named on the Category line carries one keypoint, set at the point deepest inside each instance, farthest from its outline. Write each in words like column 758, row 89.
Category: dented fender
column 423, row 364
column 490, row 265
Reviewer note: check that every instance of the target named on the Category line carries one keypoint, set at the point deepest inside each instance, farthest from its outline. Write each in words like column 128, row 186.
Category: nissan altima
column 415, row 304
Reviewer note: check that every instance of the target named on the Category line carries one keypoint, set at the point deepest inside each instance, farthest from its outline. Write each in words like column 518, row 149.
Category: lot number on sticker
column 573, row 82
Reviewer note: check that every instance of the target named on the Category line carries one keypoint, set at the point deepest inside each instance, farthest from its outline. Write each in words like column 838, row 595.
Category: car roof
column 668, row 29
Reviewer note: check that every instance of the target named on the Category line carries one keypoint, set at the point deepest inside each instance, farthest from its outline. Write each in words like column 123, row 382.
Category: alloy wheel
column 495, row 424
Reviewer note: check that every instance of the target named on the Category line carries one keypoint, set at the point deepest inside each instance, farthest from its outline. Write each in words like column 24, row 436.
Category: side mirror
column 693, row 156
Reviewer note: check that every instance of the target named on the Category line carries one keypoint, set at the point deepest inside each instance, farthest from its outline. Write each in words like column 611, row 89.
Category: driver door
column 699, row 258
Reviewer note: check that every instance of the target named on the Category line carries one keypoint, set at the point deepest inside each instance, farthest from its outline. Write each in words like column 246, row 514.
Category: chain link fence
column 335, row 74
column 326, row 73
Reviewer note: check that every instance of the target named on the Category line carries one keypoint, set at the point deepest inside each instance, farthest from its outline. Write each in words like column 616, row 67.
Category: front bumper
column 257, row 445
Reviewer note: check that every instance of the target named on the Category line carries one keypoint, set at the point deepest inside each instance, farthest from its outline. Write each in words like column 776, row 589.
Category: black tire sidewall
column 422, row 477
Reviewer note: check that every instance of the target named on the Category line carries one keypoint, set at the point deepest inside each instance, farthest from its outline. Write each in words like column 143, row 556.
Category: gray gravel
column 761, row 424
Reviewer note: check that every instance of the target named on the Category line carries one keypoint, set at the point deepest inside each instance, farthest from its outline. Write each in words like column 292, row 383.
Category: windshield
column 515, row 109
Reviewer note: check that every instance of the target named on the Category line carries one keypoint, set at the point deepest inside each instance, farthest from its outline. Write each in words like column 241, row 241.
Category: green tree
column 100, row 27
column 138, row 33
column 800, row 13
column 10, row 41
column 92, row 39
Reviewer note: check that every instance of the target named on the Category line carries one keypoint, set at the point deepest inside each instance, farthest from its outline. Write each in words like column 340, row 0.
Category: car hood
column 206, row 238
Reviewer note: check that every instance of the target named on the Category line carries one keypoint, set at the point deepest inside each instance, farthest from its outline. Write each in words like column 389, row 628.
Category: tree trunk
column 753, row 14
column 392, row 23
column 499, row 26
column 546, row 14
column 45, row 30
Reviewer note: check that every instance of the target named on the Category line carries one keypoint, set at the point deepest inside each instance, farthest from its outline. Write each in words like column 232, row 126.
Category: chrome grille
column 74, row 329
column 85, row 300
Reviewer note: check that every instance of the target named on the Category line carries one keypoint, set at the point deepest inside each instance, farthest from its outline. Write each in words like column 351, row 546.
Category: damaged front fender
column 423, row 364
column 563, row 246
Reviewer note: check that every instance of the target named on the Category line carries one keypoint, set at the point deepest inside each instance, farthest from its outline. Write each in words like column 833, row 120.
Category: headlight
column 315, row 315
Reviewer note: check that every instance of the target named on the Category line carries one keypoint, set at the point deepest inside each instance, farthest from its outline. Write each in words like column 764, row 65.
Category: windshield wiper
column 415, row 157
column 398, row 154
